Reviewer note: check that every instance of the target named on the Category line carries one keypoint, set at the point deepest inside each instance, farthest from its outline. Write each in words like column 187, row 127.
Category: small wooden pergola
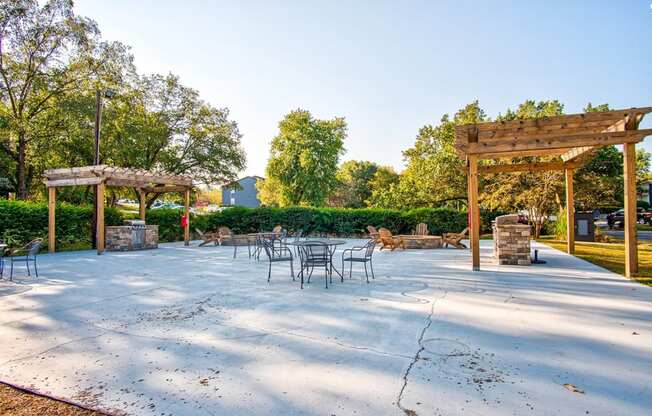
column 101, row 176
column 570, row 139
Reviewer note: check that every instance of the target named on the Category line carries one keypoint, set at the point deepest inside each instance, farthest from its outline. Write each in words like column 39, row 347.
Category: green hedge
column 342, row 221
column 21, row 222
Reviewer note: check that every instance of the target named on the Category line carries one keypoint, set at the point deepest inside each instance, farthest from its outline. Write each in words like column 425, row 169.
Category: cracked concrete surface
column 190, row 331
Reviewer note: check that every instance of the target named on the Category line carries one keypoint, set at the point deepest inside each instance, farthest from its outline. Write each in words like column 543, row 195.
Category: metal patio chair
column 360, row 254
column 314, row 254
column 277, row 253
column 26, row 254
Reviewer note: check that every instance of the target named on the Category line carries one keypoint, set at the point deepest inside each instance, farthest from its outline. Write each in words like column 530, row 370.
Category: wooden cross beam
column 528, row 167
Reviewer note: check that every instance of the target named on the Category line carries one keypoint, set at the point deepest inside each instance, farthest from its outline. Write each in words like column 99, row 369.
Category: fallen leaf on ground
column 573, row 388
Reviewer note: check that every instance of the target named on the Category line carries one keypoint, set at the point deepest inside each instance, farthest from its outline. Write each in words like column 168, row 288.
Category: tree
column 536, row 192
column 353, row 184
column 382, row 186
column 303, row 159
column 45, row 52
column 433, row 174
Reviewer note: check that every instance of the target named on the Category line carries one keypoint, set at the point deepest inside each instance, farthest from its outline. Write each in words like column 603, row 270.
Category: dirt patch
column 14, row 402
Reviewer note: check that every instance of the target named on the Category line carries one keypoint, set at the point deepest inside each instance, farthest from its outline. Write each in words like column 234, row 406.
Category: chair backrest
column 34, row 246
column 422, row 229
column 464, row 231
column 224, row 231
column 272, row 251
column 372, row 230
column 369, row 248
column 199, row 233
column 313, row 250
column 384, row 233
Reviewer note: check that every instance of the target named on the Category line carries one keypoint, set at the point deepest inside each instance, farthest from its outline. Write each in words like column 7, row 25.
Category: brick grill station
column 511, row 241
column 121, row 238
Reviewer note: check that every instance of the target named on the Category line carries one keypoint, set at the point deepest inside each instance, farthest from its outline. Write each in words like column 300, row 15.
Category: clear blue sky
column 388, row 67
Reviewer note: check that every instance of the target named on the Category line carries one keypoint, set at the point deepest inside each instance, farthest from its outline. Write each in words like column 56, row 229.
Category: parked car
column 617, row 218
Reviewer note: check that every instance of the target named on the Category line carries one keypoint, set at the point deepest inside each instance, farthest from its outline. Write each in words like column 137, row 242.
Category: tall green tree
column 383, row 187
column 433, row 175
column 536, row 192
column 353, row 188
column 46, row 51
column 303, row 159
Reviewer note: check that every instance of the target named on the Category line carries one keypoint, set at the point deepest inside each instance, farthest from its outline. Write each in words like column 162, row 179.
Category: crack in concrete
column 416, row 358
column 14, row 360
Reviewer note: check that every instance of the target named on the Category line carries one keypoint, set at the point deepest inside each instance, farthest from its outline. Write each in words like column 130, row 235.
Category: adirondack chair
column 207, row 237
column 224, row 234
column 373, row 233
column 455, row 239
column 422, row 229
column 388, row 240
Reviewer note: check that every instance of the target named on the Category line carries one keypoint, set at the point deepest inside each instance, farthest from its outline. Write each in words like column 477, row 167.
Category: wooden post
column 474, row 211
column 100, row 218
column 52, row 206
column 141, row 204
column 570, row 213
column 186, row 230
column 631, row 251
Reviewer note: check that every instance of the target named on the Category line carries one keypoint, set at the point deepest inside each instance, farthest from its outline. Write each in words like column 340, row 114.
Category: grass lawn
column 611, row 256
column 15, row 402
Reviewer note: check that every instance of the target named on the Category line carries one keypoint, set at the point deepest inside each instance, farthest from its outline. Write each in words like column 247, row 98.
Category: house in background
column 645, row 191
column 242, row 192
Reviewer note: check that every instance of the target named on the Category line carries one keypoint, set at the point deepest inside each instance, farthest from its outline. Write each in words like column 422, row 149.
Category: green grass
column 611, row 256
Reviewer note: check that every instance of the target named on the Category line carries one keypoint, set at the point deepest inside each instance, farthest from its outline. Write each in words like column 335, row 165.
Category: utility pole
column 96, row 156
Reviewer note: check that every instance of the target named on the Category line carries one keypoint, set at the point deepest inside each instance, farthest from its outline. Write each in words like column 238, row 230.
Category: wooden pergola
column 570, row 139
column 101, row 176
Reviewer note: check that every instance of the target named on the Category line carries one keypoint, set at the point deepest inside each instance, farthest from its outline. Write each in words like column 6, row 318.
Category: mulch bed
column 15, row 402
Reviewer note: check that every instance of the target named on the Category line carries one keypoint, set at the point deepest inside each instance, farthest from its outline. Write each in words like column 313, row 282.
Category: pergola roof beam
column 528, row 167
column 556, row 141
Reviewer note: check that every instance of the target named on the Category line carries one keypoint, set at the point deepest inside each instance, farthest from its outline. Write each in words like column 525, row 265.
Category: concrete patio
column 191, row 331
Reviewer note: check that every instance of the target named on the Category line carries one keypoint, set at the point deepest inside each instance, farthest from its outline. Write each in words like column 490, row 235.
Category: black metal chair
column 365, row 256
column 314, row 254
column 26, row 254
column 277, row 253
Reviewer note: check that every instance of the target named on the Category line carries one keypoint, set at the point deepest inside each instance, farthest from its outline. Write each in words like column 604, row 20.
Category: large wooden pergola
column 570, row 139
column 101, row 176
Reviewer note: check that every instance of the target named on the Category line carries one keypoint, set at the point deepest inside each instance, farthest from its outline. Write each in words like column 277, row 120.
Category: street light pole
column 98, row 122
column 96, row 156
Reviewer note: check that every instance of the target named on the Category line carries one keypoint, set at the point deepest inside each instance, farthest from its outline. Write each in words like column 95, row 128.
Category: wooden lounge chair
column 422, row 229
column 207, row 237
column 455, row 239
column 373, row 233
column 388, row 240
column 224, row 234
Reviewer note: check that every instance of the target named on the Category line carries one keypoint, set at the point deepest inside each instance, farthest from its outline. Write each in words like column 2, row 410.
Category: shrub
column 21, row 222
column 560, row 225
column 341, row 221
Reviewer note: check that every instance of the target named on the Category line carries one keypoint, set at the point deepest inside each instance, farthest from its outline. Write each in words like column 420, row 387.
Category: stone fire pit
column 421, row 241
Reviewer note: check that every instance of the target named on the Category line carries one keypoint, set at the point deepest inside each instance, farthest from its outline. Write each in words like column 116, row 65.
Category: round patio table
column 330, row 243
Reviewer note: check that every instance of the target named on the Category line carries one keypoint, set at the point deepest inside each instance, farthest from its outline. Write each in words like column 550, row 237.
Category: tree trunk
column 21, row 191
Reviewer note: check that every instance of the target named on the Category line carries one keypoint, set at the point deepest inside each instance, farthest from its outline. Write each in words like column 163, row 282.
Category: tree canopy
column 303, row 161
column 52, row 62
